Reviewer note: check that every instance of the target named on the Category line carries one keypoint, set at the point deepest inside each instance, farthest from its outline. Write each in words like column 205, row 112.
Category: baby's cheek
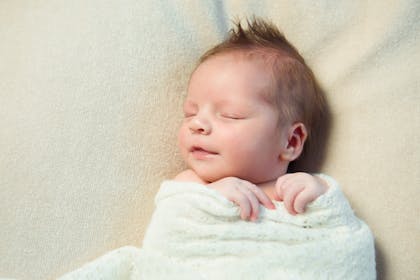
column 238, row 153
column 182, row 140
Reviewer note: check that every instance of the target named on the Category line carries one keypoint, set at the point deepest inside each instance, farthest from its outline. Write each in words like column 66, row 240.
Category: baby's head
column 250, row 106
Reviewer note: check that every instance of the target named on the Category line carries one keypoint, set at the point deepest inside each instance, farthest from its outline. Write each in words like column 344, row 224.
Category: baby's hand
column 245, row 194
column 296, row 190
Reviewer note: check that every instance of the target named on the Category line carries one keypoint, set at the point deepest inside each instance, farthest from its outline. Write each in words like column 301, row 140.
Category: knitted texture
column 195, row 233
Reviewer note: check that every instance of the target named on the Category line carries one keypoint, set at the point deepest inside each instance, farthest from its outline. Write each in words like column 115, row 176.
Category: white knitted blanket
column 195, row 233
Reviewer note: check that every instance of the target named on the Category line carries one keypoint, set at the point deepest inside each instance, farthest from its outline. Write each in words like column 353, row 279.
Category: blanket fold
column 195, row 233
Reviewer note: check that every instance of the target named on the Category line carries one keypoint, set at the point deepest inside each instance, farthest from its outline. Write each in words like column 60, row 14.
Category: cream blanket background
column 90, row 96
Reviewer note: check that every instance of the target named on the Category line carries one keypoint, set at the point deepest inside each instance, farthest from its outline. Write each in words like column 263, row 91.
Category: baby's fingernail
column 300, row 210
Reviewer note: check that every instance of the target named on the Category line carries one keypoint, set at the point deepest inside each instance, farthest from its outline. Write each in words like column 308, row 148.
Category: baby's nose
column 200, row 126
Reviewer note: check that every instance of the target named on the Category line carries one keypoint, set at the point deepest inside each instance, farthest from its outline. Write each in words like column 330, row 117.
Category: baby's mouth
column 201, row 152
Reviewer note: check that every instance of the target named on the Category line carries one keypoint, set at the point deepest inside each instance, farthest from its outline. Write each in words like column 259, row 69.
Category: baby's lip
column 201, row 150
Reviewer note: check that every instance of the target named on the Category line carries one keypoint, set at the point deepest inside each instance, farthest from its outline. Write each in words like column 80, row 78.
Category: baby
column 250, row 108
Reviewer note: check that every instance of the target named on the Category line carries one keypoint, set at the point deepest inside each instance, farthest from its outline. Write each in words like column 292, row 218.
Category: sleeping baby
column 250, row 108
column 236, row 212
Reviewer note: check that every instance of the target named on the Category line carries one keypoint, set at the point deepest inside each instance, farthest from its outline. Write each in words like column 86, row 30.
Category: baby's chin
column 209, row 177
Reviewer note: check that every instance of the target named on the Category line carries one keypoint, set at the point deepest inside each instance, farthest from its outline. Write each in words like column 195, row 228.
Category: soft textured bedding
column 195, row 233
column 91, row 97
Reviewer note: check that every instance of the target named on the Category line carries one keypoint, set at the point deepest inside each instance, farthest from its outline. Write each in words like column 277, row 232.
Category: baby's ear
column 296, row 138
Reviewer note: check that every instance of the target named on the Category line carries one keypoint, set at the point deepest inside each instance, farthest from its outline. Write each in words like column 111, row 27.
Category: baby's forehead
column 258, row 59
column 263, row 59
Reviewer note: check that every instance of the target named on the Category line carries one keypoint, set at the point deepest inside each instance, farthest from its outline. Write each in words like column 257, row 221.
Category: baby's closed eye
column 190, row 109
column 232, row 116
column 189, row 114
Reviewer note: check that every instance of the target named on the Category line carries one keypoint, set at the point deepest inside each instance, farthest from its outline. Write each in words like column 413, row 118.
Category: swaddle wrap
column 195, row 233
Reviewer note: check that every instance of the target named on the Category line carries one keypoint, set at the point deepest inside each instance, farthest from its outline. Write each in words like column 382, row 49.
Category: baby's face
column 229, row 129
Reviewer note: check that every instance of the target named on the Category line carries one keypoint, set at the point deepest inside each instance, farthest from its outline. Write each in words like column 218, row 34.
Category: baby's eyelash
column 189, row 115
column 233, row 117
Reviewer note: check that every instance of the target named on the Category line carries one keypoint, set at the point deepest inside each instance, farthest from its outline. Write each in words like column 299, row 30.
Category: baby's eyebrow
column 190, row 104
column 233, row 104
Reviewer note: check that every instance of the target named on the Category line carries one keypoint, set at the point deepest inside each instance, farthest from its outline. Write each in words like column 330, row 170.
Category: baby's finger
column 289, row 198
column 253, row 202
column 281, row 184
column 262, row 197
column 242, row 201
column 302, row 199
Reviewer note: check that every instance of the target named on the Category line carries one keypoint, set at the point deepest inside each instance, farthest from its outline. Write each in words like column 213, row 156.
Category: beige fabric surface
column 90, row 98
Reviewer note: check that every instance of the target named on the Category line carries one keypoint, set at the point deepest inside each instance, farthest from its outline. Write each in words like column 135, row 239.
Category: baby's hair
column 295, row 91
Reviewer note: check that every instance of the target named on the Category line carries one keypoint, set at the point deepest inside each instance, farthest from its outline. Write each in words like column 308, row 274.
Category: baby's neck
column 190, row 176
column 269, row 188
